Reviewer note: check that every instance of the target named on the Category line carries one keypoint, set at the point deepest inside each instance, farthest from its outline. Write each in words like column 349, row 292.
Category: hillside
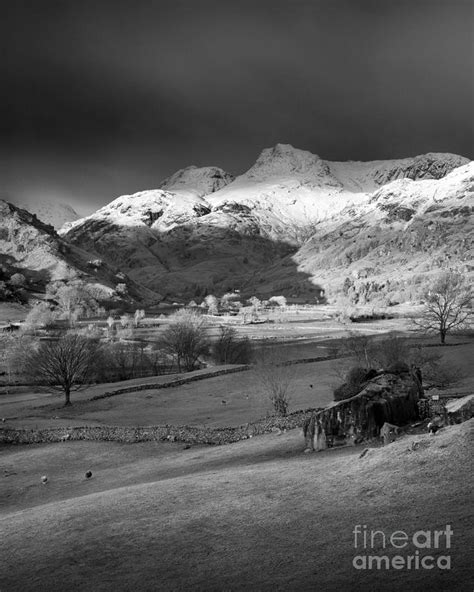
column 406, row 231
column 34, row 249
column 155, row 516
column 204, row 231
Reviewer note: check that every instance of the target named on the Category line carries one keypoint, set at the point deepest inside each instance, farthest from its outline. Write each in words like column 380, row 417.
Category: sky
column 103, row 98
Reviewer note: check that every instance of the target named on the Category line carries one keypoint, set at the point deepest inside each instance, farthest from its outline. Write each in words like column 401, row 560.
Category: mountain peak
column 284, row 159
column 200, row 181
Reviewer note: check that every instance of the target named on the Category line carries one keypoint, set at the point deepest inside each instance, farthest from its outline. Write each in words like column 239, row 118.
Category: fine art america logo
column 420, row 550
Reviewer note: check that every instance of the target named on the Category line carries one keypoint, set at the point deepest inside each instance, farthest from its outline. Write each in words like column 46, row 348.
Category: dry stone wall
column 129, row 434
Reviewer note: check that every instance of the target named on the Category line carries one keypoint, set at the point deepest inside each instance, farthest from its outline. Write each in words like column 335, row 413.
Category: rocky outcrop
column 426, row 166
column 386, row 398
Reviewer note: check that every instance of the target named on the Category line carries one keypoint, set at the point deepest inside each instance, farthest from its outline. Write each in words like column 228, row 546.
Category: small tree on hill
column 186, row 338
column 448, row 304
column 66, row 364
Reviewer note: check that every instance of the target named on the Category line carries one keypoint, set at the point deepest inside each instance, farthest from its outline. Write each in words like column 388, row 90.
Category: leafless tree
column 275, row 376
column 186, row 339
column 229, row 348
column 448, row 304
column 66, row 364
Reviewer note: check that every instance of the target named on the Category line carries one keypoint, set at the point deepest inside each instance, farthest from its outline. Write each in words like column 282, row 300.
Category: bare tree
column 186, row 338
column 360, row 347
column 66, row 364
column 448, row 303
column 229, row 348
column 275, row 377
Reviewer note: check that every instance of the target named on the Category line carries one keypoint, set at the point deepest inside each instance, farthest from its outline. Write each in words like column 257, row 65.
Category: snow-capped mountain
column 292, row 189
column 203, row 230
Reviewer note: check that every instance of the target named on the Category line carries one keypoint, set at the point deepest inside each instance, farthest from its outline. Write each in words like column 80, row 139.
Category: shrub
column 398, row 367
column 230, row 349
column 355, row 378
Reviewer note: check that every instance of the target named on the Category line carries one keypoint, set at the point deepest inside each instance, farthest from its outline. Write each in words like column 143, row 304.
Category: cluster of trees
column 447, row 308
column 393, row 354
column 72, row 360
column 67, row 301
column 231, row 301
column 12, row 286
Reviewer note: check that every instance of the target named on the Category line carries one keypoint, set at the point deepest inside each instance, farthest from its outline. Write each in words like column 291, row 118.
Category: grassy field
column 255, row 515
column 197, row 403
column 228, row 400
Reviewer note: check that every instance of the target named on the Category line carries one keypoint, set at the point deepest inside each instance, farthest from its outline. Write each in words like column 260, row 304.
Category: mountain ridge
column 180, row 237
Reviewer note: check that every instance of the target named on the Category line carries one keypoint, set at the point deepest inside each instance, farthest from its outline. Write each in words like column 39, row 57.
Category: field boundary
column 185, row 434
column 211, row 374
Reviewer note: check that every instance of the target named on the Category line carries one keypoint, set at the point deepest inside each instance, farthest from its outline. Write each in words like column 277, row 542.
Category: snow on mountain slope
column 185, row 239
column 369, row 176
column 178, row 200
column 288, row 189
column 406, row 230
column 198, row 181
column 34, row 248
column 51, row 212
column 155, row 208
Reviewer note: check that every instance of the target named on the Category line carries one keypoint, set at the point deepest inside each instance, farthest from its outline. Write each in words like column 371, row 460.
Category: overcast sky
column 103, row 98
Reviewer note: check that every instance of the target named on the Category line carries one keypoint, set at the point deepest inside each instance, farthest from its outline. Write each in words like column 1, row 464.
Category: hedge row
column 128, row 434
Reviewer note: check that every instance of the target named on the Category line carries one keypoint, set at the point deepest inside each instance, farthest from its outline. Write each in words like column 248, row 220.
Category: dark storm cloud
column 109, row 97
